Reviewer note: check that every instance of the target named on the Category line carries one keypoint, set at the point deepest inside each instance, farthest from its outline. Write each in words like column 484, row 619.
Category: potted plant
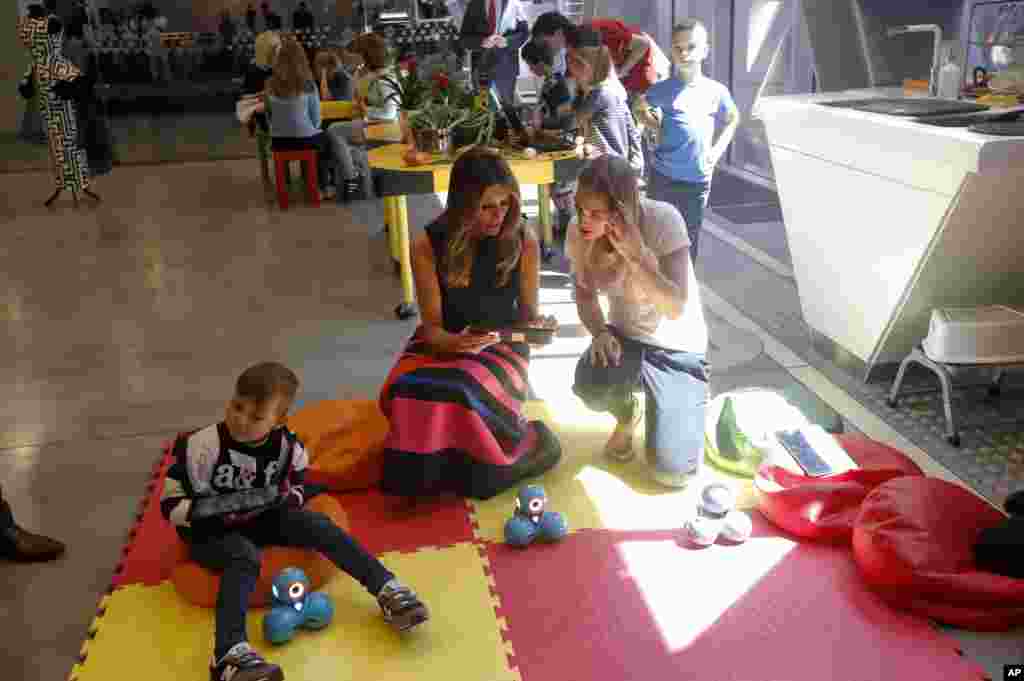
column 433, row 123
column 409, row 92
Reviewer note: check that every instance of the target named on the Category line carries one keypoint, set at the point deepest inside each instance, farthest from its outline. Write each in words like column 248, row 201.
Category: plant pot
column 463, row 137
column 403, row 124
column 432, row 141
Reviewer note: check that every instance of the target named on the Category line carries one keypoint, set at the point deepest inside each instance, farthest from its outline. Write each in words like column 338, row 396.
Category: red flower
column 441, row 80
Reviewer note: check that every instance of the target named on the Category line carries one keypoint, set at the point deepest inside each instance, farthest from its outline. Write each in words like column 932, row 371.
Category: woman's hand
column 470, row 341
column 626, row 241
column 605, row 350
column 543, row 322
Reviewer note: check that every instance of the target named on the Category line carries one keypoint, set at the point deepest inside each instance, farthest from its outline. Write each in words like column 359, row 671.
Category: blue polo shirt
column 689, row 112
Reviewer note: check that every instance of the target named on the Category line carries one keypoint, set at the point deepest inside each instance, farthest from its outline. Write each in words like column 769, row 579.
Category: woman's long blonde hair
column 613, row 178
column 267, row 45
column 292, row 74
column 474, row 172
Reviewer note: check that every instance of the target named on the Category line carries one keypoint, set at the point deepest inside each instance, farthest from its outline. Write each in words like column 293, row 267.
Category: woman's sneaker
column 242, row 663
column 401, row 607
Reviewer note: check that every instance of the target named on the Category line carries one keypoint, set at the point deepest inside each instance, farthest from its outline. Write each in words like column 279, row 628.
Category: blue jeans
column 689, row 198
column 675, row 385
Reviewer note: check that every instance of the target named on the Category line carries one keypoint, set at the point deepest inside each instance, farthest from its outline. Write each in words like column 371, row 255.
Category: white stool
column 966, row 338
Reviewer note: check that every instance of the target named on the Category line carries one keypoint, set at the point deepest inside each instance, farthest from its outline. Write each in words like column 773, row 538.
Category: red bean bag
column 824, row 509
column 913, row 543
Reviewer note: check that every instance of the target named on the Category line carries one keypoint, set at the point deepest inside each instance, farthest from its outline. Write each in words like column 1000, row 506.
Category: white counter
column 888, row 218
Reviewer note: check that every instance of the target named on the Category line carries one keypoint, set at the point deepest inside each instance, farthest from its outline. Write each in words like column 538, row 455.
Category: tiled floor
column 148, row 138
column 128, row 321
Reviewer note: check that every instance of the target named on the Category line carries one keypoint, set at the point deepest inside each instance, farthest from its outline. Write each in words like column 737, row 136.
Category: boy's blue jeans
column 236, row 555
column 690, row 198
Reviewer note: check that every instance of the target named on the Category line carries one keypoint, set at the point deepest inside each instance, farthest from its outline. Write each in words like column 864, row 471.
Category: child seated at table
column 556, row 119
column 375, row 101
column 294, row 107
column 237, row 486
column 555, row 94
column 332, row 75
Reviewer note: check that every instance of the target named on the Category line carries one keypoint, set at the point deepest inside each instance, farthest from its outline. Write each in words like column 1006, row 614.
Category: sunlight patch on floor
column 661, row 569
column 555, row 297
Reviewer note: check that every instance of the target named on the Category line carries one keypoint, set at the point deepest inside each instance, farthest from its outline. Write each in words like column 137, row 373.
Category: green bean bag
column 738, row 426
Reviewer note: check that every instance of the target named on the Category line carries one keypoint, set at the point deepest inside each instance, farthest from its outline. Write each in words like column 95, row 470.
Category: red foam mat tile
column 151, row 551
column 383, row 523
column 609, row 606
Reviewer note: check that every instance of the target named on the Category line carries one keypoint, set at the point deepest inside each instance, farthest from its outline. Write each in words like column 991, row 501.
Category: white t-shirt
column 664, row 232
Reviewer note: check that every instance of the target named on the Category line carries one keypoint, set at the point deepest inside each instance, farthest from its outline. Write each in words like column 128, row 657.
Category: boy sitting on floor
column 235, row 487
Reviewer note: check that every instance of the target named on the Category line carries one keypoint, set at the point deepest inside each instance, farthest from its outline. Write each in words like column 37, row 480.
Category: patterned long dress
column 68, row 159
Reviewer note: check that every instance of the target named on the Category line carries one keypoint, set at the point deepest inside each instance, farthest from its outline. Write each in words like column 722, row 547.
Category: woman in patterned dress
column 70, row 166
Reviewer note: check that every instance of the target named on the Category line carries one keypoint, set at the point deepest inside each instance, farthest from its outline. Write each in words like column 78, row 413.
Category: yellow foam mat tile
column 153, row 628
column 595, row 493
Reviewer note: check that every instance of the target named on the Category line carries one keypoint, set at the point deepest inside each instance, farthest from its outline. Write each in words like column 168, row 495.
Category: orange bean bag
column 913, row 542
column 199, row 586
column 824, row 509
column 345, row 441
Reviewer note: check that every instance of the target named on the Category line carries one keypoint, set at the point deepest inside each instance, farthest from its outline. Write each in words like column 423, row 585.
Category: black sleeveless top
column 483, row 302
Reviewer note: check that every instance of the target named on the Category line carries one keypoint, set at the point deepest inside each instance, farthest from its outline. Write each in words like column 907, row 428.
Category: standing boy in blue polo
column 690, row 104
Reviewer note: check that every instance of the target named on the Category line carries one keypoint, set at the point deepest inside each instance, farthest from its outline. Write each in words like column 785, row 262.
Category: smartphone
column 522, row 334
column 799, row 447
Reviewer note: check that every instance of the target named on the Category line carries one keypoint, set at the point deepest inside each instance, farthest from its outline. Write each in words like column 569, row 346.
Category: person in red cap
column 639, row 62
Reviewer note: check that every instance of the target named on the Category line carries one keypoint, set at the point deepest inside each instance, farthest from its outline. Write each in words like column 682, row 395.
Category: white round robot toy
column 717, row 517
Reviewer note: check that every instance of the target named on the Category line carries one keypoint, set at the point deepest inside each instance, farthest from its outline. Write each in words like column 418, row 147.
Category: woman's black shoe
column 352, row 189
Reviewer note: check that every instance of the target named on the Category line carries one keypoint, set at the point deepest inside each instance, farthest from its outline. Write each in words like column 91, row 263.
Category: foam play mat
column 622, row 597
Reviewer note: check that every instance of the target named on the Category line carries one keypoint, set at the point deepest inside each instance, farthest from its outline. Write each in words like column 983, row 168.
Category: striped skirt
column 450, row 415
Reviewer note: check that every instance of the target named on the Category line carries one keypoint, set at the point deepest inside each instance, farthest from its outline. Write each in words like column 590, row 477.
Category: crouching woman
column 636, row 251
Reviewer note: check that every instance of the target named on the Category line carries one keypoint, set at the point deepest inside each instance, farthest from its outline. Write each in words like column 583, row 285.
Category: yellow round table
column 336, row 110
column 395, row 180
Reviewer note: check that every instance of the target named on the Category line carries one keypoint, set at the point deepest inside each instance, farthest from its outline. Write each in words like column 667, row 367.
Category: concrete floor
column 128, row 321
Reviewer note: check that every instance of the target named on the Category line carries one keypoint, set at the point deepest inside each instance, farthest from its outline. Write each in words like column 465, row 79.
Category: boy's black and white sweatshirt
column 215, row 483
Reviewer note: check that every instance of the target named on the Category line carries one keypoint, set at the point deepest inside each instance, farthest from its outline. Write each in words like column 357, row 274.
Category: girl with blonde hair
column 636, row 252
column 374, row 101
column 293, row 103
column 455, row 397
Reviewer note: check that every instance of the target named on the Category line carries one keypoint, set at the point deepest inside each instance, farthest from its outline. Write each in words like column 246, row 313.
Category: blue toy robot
column 531, row 522
column 295, row 607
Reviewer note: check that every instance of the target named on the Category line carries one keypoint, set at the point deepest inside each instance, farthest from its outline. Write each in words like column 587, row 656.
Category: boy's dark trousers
column 689, row 198
column 236, row 554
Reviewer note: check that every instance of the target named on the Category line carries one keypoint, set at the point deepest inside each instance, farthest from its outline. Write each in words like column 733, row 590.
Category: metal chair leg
column 946, row 381
column 894, row 393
